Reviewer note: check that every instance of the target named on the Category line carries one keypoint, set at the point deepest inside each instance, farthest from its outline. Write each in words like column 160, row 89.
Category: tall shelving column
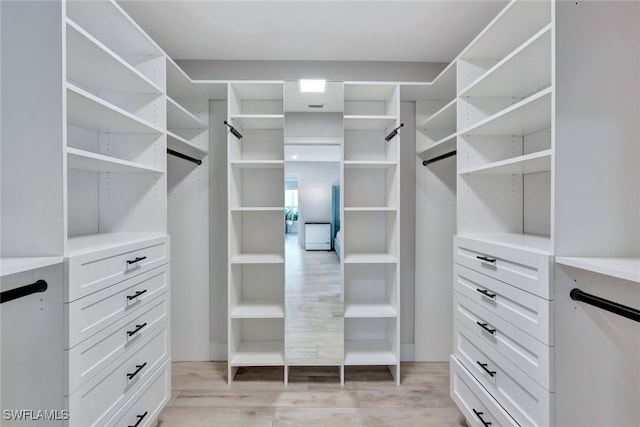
column 116, row 296
column 115, row 129
column 503, row 271
column 371, row 177
column 256, row 225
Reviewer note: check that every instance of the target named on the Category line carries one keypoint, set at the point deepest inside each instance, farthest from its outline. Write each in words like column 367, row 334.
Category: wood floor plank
column 313, row 397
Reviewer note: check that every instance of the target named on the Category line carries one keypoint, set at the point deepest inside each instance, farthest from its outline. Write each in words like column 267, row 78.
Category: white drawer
column 529, row 354
column 478, row 407
column 91, row 272
column 524, row 399
column 526, row 311
column 89, row 315
column 145, row 405
column 90, row 357
column 527, row 270
column 101, row 397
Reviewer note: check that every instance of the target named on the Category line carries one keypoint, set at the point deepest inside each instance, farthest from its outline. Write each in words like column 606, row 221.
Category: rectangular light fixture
column 312, row 86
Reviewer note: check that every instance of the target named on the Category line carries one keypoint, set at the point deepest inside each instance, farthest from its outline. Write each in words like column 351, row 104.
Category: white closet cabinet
column 503, row 275
column 548, row 158
column 117, row 342
column 256, row 225
column 371, row 176
column 101, row 105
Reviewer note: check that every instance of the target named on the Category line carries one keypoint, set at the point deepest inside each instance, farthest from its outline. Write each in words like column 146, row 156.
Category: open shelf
column 442, row 120
column 523, row 118
column 87, row 111
column 360, row 308
column 94, row 65
column 258, row 121
column 529, row 163
column 443, row 146
column 524, row 71
column 442, row 88
column 258, row 310
column 509, row 29
column 93, row 162
column 353, row 122
column 259, row 353
column 370, row 259
column 178, row 143
column 93, row 242
column 363, row 164
column 529, row 242
column 368, row 353
column 257, row 164
column 363, row 91
column 626, row 268
column 14, row 265
column 257, row 259
column 179, row 117
column 101, row 17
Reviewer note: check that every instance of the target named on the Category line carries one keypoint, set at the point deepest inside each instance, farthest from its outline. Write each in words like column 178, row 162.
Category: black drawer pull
column 484, row 366
column 133, row 261
column 136, row 295
column 486, row 258
column 479, row 415
column 137, row 329
column 139, row 368
column 484, row 326
column 140, row 418
column 486, row 293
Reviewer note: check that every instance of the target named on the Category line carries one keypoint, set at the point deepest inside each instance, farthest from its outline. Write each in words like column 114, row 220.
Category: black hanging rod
column 184, row 156
column 23, row 291
column 233, row 130
column 614, row 307
column 435, row 159
column 393, row 133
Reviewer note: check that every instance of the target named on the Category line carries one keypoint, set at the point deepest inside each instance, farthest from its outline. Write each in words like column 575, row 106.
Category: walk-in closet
column 284, row 213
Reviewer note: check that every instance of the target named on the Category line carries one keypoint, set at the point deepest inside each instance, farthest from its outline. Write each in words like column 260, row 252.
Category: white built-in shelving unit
column 115, row 124
column 256, row 226
column 95, row 202
column 371, row 175
column 504, row 214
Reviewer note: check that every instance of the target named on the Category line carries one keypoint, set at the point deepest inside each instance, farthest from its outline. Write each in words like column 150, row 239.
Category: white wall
column 218, row 223
column 314, row 190
column 407, row 230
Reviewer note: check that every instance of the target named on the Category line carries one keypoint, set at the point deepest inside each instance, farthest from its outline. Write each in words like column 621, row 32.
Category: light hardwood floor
column 314, row 323
column 314, row 397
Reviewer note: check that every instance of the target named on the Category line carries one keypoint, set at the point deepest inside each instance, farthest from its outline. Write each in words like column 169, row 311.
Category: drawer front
column 528, row 312
column 478, row 407
column 125, row 336
column 532, row 356
column 524, row 399
column 101, row 397
column 145, row 405
column 88, row 316
column 89, row 273
column 529, row 271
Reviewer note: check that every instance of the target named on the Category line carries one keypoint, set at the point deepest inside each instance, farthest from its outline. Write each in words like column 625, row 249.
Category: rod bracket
column 233, row 130
column 393, row 133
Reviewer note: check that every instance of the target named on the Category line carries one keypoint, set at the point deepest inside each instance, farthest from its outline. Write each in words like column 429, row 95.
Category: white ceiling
column 329, row 30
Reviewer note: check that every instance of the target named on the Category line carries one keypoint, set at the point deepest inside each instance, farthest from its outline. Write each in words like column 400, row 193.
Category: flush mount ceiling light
column 312, row 86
